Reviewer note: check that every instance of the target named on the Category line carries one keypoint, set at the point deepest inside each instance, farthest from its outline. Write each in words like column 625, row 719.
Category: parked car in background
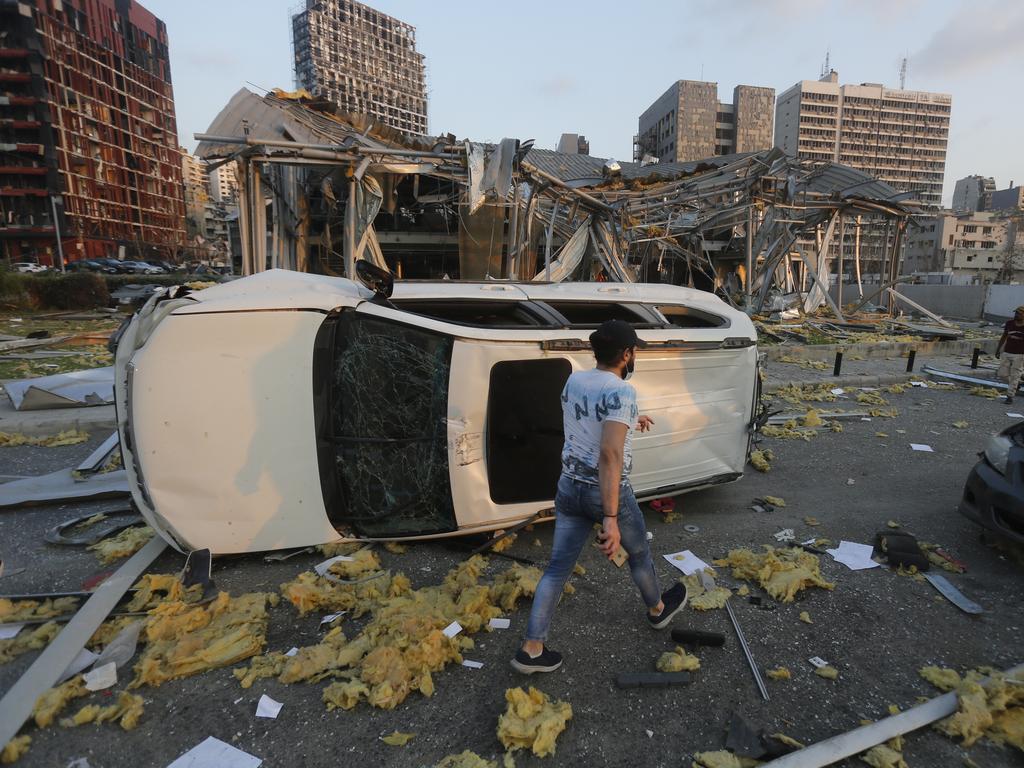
column 168, row 267
column 142, row 268
column 994, row 493
column 88, row 265
column 28, row 267
column 318, row 408
column 118, row 267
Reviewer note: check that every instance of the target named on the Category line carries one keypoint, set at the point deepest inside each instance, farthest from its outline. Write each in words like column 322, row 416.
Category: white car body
column 28, row 266
column 230, row 401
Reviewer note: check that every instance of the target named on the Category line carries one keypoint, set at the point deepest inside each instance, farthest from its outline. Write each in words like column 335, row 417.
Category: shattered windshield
column 389, row 401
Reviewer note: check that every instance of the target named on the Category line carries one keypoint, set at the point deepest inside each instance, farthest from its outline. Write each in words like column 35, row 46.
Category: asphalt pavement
column 876, row 627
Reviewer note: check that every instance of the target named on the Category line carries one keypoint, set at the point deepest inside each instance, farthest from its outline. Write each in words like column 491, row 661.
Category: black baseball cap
column 615, row 335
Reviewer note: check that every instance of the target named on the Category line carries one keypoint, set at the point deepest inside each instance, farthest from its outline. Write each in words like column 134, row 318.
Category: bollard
column 839, row 364
column 910, row 360
column 975, row 356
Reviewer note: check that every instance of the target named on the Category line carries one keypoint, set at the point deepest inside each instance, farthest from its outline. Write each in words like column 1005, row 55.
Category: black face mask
column 629, row 367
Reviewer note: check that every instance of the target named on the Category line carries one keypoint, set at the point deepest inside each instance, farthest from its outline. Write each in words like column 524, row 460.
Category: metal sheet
column 62, row 486
column 63, row 390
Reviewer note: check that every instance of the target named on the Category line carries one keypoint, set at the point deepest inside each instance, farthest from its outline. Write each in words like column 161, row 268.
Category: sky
column 539, row 69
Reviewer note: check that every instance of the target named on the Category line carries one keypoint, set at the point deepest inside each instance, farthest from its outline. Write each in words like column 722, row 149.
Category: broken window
column 480, row 314
column 524, row 429
column 586, row 314
column 387, row 395
column 680, row 316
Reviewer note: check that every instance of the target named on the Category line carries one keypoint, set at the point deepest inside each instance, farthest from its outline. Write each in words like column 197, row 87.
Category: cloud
column 976, row 37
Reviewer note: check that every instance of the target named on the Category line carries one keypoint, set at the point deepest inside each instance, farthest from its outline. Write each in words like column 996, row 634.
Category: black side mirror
column 378, row 280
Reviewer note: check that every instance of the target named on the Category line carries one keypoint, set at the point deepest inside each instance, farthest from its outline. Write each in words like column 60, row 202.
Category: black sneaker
column 674, row 600
column 548, row 661
column 1008, row 399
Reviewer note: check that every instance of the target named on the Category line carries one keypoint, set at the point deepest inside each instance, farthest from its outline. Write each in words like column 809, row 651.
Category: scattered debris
column 14, row 749
column 532, row 721
column 811, row 521
column 779, row 673
column 710, row 599
column 395, row 548
column 805, row 617
column 828, row 672
column 466, row 759
column 214, row 753
column 988, row 392
column 775, row 501
column 397, row 739
column 677, row 661
column 127, row 710
column 268, row 707
column 722, row 759
column 68, row 437
column 27, row 641
column 856, row 557
column 782, row 573
column 126, row 543
column 761, row 460
column 961, row 424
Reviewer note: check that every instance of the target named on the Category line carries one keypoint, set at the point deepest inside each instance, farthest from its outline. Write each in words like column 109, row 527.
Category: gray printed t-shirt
column 589, row 399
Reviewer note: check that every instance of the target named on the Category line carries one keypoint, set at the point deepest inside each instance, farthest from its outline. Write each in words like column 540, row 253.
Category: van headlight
column 997, row 452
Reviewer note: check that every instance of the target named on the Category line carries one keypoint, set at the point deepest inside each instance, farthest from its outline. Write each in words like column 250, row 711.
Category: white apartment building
column 224, row 184
column 898, row 136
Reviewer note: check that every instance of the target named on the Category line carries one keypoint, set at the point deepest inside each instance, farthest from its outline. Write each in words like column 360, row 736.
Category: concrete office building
column 573, row 144
column 362, row 60
column 88, row 140
column 1009, row 199
column 896, row 135
column 963, row 243
column 970, row 193
column 688, row 122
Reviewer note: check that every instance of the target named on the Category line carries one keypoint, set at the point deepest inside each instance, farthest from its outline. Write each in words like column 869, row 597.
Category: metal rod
column 974, row 358
column 746, row 651
column 910, row 360
column 839, row 364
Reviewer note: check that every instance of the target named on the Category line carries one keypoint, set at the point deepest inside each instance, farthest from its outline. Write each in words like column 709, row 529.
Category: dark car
column 114, row 265
column 88, row 265
column 994, row 493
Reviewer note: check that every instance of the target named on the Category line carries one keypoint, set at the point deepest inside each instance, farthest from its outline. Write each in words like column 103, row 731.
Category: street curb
column 44, row 423
column 880, row 380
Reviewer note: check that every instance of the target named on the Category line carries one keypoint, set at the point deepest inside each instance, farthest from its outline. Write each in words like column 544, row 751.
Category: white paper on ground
column 292, row 652
column 101, row 678
column 919, row 384
column 818, row 661
column 1015, row 415
column 809, row 542
column 214, row 753
column 10, row 630
column 786, row 534
column 686, row 561
column 267, row 707
column 499, row 623
column 854, row 556
column 472, row 664
column 865, row 418
column 321, row 568
column 82, row 661
column 869, row 389
column 331, row 617
column 452, row 629
column 837, row 391
column 922, row 447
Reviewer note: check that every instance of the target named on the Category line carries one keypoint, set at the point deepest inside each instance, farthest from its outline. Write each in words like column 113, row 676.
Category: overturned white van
column 287, row 409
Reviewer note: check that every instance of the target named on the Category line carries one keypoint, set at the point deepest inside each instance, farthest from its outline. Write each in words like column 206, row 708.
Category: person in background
column 599, row 414
column 1011, row 349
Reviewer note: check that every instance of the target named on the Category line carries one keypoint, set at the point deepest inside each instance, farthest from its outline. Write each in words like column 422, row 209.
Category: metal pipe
column 359, row 149
column 746, row 651
column 910, row 360
column 749, row 277
column 557, row 182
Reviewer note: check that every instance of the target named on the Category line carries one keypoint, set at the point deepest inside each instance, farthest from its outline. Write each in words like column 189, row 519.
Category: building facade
column 897, row 136
column 362, row 60
column 971, row 193
column 88, row 139
column 1010, row 199
column 224, row 183
column 980, row 244
column 688, row 122
column 196, row 187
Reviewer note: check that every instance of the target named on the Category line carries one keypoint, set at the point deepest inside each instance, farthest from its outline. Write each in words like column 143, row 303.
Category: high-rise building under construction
column 88, row 140
column 362, row 60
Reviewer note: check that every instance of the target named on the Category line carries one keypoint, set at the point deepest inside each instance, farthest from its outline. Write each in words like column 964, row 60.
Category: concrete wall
column 1002, row 300
column 967, row 302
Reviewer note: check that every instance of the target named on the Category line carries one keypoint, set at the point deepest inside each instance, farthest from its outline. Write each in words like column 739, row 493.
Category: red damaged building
column 88, row 139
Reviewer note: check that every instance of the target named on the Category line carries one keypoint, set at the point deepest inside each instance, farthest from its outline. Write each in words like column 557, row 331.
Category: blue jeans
column 577, row 507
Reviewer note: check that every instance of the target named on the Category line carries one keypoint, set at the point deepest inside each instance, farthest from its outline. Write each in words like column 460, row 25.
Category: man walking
column 1012, row 365
column 599, row 414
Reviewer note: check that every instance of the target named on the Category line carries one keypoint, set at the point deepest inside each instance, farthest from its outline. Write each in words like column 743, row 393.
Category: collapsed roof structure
column 340, row 188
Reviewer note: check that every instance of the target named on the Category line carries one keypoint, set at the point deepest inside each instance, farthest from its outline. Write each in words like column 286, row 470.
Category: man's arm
column 1002, row 342
column 609, row 474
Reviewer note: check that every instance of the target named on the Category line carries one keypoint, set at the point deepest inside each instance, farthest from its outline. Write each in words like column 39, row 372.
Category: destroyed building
column 341, row 188
column 362, row 60
column 88, row 141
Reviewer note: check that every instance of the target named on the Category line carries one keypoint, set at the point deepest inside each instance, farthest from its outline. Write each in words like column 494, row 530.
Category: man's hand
column 609, row 536
column 998, row 353
column 645, row 423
